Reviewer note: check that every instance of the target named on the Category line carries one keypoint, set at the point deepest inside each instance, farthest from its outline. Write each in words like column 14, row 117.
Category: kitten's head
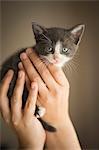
column 57, row 45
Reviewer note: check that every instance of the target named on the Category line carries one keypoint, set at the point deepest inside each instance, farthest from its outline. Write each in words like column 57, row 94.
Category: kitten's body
column 54, row 45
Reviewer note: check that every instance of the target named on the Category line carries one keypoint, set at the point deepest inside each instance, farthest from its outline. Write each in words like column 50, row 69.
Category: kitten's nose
column 57, row 59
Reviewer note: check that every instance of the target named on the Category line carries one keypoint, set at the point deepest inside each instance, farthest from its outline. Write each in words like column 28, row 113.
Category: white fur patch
column 41, row 112
column 62, row 59
column 58, row 47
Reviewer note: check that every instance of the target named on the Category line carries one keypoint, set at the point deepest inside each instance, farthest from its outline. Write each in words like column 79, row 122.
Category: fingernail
column 20, row 65
column 23, row 56
column 29, row 50
column 10, row 72
column 33, row 85
column 20, row 74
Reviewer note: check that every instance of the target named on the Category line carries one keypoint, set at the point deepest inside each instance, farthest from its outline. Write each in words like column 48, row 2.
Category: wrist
column 54, row 140
column 64, row 138
column 62, row 124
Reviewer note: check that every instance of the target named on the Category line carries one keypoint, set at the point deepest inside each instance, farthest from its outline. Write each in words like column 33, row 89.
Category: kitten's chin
column 56, row 63
column 48, row 61
column 59, row 65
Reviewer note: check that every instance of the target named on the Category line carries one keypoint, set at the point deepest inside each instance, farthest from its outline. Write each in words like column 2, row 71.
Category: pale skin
column 53, row 93
column 25, row 125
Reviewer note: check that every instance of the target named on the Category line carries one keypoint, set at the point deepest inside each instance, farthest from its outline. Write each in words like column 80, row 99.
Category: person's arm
column 65, row 138
column 53, row 95
column 29, row 130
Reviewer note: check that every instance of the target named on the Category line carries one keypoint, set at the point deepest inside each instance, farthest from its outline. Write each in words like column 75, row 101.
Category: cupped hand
column 53, row 88
column 53, row 95
column 27, row 127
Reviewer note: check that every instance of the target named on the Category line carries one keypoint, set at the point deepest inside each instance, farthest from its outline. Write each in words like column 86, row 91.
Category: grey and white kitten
column 57, row 45
column 53, row 45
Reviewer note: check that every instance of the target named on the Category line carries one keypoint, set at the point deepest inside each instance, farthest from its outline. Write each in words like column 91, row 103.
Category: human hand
column 53, row 88
column 53, row 95
column 27, row 127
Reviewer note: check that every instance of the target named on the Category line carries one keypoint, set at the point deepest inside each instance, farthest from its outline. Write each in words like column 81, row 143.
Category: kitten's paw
column 41, row 112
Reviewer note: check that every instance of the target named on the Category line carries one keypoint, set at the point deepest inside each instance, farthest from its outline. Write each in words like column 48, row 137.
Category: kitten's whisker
column 45, row 61
column 75, row 66
column 68, row 68
column 76, row 55
column 71, row 66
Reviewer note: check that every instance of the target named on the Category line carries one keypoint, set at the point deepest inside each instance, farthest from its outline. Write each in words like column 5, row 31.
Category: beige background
column 84, row 75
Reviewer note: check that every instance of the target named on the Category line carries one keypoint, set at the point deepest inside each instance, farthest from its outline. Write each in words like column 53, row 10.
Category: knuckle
column 27, row 120
column 15, row 121
column 56, row 91
column 5, row 117
column 15, row 102
column 14, row 98
column 26, row 123
column 36, row 78
column 16, row 105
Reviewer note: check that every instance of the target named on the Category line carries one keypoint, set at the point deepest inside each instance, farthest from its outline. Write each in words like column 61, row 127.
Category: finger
column 57, row 74
column 27, row 82
column 32, row 74
column 4, row 102
column 30, row 106
column 41, row 68
column 6, row 82
column 16, row 101
column 20, row 65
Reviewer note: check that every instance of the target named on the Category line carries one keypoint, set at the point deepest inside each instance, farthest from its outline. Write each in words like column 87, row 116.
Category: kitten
column 53, row 45
column 57, row 45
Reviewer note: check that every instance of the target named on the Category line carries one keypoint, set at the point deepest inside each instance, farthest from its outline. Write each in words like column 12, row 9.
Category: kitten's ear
column 37, row 29
column 77, row 32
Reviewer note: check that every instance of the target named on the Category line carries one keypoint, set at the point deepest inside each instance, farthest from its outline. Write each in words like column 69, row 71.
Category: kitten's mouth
column 52, row 61
column 55, row 61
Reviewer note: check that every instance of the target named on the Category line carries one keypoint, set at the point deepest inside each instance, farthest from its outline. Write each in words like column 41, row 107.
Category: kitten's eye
column 65, row 49
column 50, row 49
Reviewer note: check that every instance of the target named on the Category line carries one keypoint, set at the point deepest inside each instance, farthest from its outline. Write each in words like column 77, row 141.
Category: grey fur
column 45, row 38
